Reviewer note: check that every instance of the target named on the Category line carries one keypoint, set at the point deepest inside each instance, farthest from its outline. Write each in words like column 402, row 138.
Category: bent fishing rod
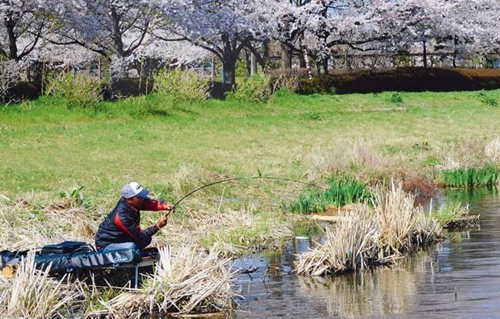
column 242, row 178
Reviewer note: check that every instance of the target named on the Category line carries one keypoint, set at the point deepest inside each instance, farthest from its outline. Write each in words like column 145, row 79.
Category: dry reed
column 33, row 294
column 492, row 150
column 191, row 281
column 353, row 245
column 403, row 226
column 366, row 237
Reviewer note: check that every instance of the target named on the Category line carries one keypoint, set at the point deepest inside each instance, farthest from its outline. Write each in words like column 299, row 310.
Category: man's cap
column 134, row 189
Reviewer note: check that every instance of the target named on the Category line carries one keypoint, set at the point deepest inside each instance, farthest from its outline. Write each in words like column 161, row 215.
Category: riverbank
column 62, row 169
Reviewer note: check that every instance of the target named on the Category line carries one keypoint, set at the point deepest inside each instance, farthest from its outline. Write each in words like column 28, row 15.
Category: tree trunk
column 229, row 58
column 117, row 37
column 286, row 57
column 425, row 52
column 323, row 66
column 229, row 70
column 253, row 64
column 455, row 51
column 248, row 62
column 10, row 25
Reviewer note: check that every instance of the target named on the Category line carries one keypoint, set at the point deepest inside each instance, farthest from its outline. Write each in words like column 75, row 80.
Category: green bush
column 396, row 98
column 255, row 89
column 486, row 99
column 76, row 90
column 342, row 190
column 181, row 86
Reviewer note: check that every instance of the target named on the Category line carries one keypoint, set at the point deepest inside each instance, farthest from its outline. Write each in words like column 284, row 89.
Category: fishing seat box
column 74, row 255
column 111, row 258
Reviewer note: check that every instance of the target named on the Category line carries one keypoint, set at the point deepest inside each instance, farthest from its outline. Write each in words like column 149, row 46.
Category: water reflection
column 452, row 279
column 381, row 292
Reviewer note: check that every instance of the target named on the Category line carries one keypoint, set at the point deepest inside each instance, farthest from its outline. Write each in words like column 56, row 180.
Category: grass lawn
column 47, row 149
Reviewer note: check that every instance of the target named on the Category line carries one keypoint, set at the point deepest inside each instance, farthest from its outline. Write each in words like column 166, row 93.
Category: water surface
column 450, row 280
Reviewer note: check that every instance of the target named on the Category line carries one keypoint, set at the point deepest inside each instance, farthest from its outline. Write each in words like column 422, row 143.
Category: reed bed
column 190, row 281
column 33, row 294
column 403, row 226
column 351, row 246
column 367, row 237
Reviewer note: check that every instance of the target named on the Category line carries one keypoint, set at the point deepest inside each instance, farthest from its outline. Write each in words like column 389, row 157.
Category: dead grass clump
column 469, row 151
column 28, row 223
column 352, row 246
column 365, row 156
column 492, row 150
column 366, row 237
column 191, row 281
column 403, row 226
column 33, row 294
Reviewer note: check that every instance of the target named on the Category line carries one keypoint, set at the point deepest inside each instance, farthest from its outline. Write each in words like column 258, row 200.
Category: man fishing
column 121, row 228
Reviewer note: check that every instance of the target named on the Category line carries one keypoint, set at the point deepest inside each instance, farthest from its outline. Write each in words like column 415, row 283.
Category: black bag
column 66, row 247
column 11, row 257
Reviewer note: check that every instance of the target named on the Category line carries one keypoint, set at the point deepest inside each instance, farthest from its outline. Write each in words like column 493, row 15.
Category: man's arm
column 156, row 205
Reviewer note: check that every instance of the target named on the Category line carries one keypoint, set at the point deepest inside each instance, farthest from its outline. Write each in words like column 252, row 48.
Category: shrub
column 9, row 76
column 486, row 99
column 396, row 98
column 181, row 86
column 253, row 89
column 77, row 90
column 289, row 82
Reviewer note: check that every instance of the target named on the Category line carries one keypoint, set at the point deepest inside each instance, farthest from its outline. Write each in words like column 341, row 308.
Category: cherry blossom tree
column 107, row 27
column 181, row 31
column 386, row 26
column 223, row 27
column 24, row 23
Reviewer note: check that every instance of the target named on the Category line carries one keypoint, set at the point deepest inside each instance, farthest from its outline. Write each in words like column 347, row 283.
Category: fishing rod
column 241, row 178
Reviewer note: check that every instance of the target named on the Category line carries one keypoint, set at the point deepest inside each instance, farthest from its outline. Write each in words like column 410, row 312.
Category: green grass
column 341, row 190
column 47, row 148
column 450, row 211
column 471, row 177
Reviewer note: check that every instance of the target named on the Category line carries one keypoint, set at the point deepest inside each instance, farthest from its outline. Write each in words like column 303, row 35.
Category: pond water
column 454, row 279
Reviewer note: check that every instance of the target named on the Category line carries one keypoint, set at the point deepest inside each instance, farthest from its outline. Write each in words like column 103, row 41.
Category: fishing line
column 241, row 178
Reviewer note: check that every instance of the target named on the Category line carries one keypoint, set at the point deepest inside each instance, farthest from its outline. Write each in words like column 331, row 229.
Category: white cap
column 134, row 189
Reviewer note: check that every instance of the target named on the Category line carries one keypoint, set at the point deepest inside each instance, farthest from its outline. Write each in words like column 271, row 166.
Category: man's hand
column 162, row 222
column 169, row 207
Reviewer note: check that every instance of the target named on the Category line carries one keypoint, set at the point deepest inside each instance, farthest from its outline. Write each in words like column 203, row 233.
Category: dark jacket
column 123, row 225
